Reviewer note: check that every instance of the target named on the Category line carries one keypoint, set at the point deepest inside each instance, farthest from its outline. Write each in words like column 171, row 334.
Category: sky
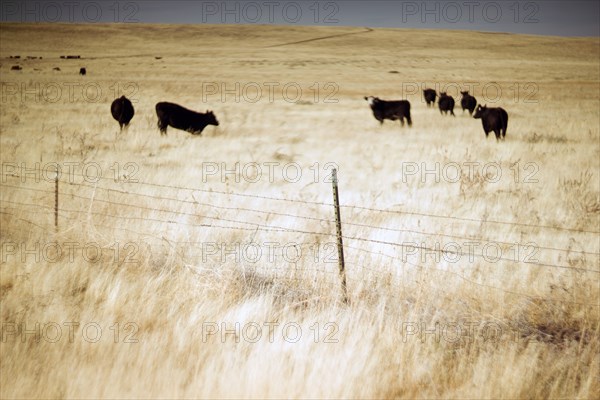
column 544, row 17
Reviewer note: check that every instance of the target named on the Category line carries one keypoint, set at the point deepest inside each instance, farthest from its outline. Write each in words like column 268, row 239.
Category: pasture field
column 472, row 265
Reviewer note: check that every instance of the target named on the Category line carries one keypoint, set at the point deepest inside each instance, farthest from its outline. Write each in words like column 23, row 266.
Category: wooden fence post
column 56, row 201
column 340, row 243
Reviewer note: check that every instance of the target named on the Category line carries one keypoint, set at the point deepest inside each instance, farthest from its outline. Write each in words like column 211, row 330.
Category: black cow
column 468, row 102
column 171, row 114
column 122, row 111
column 82, row 71
column 430, row 96
column 493, row 119
column 446, row 103
column 392, row 110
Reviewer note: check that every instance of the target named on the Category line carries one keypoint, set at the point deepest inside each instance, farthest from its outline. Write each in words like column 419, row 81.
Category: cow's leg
column 162, row 125
column 452, row 112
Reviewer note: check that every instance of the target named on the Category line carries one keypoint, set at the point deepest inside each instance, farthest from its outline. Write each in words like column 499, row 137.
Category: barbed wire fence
column 214, row 215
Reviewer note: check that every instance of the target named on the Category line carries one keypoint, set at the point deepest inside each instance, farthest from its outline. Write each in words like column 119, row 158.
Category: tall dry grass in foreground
column 422, row 325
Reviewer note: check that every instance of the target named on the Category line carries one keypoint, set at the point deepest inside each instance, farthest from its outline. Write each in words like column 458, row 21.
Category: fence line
column 270, row 228
column 350, row 206
column 363, row 267
column 361, row 225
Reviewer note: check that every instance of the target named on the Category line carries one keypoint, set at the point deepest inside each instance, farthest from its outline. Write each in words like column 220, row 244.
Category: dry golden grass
column 548, row 317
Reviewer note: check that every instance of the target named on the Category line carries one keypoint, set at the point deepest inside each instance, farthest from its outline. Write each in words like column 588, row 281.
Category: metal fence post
column 56, row 201
column 340, row 243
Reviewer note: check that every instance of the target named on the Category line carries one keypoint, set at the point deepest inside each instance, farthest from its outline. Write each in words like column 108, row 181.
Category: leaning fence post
column 340, row 243
column 56, row 201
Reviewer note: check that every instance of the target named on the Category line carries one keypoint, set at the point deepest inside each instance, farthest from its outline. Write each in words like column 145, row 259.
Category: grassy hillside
column 472, row 265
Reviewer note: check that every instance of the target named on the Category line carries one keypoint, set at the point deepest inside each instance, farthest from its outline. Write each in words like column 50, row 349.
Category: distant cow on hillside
column 493, row 119
column 392, row 110
column 82, row 71
column 446, row 103
column 468, row 102
column 430, row 96
column 122, row 111
column 171, row 114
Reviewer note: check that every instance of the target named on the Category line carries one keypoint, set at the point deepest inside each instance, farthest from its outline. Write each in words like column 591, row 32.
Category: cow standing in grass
column 171, row 114
column 493, row 119
column 122, row 111
column 392, row 110
column 468, row 102
column 430, row 96
column 446, row 104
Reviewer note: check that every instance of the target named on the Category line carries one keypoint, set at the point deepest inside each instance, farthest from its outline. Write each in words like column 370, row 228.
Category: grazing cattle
column 16, row 68
column 122, row 111
column 82, row 71
column 430, row 96
column 468, row 102
column 446, row 103
column 493, row 119
column 55, row 69
column 392, row 110
column 171, row 114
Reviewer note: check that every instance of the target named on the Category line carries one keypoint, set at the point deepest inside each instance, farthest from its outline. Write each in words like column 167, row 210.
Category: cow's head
column 465, row 93
column 442, row 94
column 479, row 111
column 371, row 100
column 211, row 119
